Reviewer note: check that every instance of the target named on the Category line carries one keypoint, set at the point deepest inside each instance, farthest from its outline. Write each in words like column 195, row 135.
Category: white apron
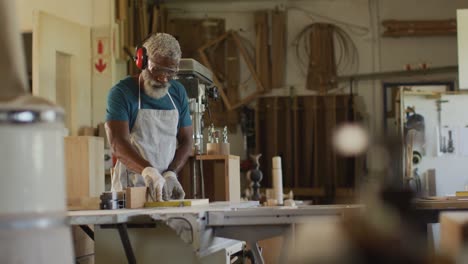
column 154, row 136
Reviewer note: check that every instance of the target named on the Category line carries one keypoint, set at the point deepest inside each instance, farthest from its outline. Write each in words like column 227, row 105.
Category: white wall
column 451, row 169
column 75, row 11
column 97, row 15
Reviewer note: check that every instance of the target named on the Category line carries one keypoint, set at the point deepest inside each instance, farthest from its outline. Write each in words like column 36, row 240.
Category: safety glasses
column 157, row 70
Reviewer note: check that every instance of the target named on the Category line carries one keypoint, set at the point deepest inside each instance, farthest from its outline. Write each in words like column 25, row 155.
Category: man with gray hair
column 148, row 122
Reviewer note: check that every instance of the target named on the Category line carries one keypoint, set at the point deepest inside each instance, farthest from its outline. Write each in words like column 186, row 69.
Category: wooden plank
column 274, row 131
column 305, row 192
column 341, row 163
column 122, row 9
column 178, row 203
column 265, row 137
column 330, row 125
column 155, row 19
column 347, row 192
column 222, row 177
column 322, row 67
column 278, row 48
column 220, row 180
column 246, row 99
column 125, row 37
column 75, row 160
column 219, row 84
column 145, row 19
column 206, row 62
column 214, row 41
column 247, row 61
column 400, row 28
column 262, row 49
column 233, row 79
column 316, row 142
column 232, row 171
column 83, row 203
column 217, row 157
column 96, row 164
column 297, row 146
column 84, row 166
column 131, row 27
column 258, row 112
column 141, row 21
column 287, row 146
column 307, row 142
column 210, row 35
column 163, row 21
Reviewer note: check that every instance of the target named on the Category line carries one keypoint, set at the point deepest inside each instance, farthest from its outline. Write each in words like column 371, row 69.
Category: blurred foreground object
column 350, row 139
column 33, row 221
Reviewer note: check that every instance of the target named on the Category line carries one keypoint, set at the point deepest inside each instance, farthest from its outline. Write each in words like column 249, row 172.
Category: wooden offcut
column 222, row 177
column 415, row 28
column 83, row 203
column 135, row 197
column 453, row 230
column 322, row 66
column 218, row 148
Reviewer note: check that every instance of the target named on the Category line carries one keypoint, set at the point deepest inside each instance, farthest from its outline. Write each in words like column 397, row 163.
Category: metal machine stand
column 198, row 83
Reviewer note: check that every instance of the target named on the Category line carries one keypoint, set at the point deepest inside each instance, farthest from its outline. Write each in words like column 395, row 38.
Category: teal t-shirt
column 122, row 102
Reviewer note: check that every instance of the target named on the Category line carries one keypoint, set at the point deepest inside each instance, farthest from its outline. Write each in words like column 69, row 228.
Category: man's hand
column 172, row 188
column 155, row 182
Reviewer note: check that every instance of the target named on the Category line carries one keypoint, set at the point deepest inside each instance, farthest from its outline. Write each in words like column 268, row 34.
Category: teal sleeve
column 117, row 106
column 184, row 119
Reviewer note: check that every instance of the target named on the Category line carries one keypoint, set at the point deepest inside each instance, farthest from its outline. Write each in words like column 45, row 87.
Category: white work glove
column 172, row 188
column 155, row 183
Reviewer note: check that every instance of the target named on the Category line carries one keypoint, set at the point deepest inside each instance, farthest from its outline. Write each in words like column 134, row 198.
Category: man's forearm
column 127, row 154
column 119, row 139
column 180, row 158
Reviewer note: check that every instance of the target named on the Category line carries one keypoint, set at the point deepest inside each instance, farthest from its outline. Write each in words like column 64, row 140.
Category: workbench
column 204, row 229
column 429, row 209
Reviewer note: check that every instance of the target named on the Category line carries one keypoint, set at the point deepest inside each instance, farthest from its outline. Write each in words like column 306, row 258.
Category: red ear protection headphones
column 141, row 57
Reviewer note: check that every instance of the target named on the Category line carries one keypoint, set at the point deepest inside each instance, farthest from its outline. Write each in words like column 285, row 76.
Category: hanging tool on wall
column 450, row 147
column 442, row 147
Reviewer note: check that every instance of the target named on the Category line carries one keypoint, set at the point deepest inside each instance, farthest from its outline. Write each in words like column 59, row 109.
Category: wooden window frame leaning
column 259, row 87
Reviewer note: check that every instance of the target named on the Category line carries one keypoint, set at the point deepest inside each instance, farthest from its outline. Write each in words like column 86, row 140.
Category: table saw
column 211, row 233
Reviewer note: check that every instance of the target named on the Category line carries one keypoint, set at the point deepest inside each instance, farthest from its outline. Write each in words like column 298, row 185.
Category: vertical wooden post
column 316, row 139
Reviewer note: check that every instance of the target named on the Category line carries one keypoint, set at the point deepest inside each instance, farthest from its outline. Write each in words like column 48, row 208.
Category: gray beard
column 153, row 88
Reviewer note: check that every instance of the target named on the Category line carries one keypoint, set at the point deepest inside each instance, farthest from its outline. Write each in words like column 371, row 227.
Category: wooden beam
column 262, row 49
column 259, row 88
column 217, row 83
column 278, row 48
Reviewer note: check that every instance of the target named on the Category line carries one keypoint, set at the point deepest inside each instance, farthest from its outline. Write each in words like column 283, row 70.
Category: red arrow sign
column 100, row 67
column 100, row 47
